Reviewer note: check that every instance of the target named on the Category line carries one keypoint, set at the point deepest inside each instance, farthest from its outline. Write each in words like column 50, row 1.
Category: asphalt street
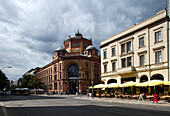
column 74, row 106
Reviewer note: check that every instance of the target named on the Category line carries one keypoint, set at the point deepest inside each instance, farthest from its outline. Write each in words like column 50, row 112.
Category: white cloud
column 30, row 30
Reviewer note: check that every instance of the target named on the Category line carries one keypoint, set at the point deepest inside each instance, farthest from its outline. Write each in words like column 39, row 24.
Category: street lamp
column 6, row 67
column 91, row 76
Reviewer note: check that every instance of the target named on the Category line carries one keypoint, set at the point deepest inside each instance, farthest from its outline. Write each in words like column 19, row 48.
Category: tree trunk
column 35, row 91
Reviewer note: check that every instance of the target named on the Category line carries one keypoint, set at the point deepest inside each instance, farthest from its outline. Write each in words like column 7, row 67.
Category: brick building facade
column 73, row 68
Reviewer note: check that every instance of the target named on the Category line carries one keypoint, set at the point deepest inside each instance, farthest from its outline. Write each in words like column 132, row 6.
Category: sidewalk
column 127, row 101
column 1, row 106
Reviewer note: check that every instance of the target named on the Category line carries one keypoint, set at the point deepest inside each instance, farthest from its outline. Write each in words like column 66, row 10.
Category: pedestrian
column 116, row 94
column 155, row 98
column 141, row 96
column 87, row 92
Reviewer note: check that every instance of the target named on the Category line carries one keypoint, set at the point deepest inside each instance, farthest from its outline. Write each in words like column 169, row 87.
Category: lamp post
column 6, row 67
column 91, row 76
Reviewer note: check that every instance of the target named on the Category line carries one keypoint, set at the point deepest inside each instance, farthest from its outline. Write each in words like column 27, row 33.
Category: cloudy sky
column 30, row 30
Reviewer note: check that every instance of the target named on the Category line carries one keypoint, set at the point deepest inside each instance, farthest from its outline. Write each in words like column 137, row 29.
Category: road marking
column 4, row 109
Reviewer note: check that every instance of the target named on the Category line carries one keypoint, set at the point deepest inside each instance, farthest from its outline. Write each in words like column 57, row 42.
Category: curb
column 161, row 103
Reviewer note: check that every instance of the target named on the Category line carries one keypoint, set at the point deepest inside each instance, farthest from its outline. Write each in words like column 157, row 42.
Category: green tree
column 25, row 80
column 3, row 81
column 35, row 83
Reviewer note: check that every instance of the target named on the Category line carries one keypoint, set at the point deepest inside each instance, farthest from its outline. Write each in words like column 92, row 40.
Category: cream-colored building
column 139, row 53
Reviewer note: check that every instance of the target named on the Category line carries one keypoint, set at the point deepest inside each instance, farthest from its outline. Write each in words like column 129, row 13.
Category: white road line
column 4, row 109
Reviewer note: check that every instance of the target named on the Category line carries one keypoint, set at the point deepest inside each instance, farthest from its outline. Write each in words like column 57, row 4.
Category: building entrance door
column 73, row 86
column 73, row 72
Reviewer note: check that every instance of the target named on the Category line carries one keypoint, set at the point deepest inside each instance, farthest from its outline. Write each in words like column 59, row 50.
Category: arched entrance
column 102, row 82
column 157, row 77
column 73, row 72
column 159, row 88
column 112, row 81
column 143, row 78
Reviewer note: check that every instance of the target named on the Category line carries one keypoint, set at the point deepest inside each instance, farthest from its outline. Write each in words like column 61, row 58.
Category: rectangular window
column 158, row 36
column 55, row 69
column 60, row 66
column 113, row 51
column 141, row 42
column 128, row 46
column 79, row 74
column 113, row 66
column 123, row 48
column 105, row 54
column 123, row 62
column 87, row 66
column 158, row 57
column 87, row 75
column 142, row 60
column 60, row 75
column 95, row 67
column 95, row 76
column 55, row 86
column 55, row 77
column 105, row 68
column 129, row 62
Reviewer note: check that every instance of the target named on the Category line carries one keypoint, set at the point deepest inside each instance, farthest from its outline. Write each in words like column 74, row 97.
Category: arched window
column 143, row 78
column 73, row 71
column 112, row 81
column 157, row 77
column 102, row 82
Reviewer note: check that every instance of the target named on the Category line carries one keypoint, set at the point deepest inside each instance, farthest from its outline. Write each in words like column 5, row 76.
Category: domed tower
column 59, row 52
column 77, row 44
column 91, row 51
column 74, row 68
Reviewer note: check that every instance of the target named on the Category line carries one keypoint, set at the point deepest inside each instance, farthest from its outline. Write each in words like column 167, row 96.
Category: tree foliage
column 35, row 83
column 31, row 82
column 25, row 80
column 3, row 81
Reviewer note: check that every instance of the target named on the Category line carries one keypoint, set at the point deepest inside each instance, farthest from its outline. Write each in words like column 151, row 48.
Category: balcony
column 125, row 70
column 159, row 65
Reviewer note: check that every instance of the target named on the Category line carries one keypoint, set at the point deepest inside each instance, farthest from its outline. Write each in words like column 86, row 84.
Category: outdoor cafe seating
column 131, row 90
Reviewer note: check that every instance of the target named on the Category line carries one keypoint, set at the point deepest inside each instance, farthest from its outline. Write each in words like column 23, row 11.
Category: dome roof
column 90, row 47
column 60, row 49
